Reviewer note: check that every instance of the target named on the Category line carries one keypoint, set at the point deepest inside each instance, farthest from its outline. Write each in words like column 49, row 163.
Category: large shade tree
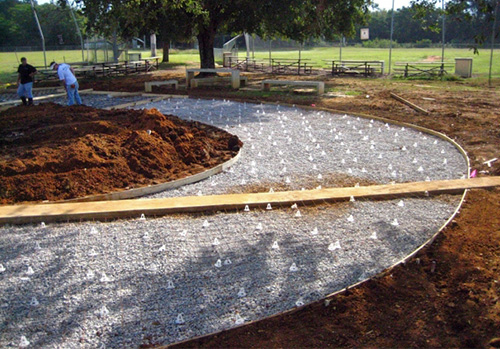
column 478, row 14
column 294, row 19
column 170, row 21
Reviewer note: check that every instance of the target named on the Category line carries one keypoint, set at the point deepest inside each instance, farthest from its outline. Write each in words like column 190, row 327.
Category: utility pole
column 41, row 33
column 77, row 29
column 341, row 42
column 442, row 39
column 390, row 43
column 493, row 40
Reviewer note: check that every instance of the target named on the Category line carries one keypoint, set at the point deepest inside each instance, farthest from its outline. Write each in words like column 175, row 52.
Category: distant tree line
column 425, row 28
column 18, row 26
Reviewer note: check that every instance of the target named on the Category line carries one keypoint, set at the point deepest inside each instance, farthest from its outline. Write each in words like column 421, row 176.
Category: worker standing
column 67, row 76
column 25, row 81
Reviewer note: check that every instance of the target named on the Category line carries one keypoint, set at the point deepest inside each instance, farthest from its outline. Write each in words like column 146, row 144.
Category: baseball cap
column 52, row 65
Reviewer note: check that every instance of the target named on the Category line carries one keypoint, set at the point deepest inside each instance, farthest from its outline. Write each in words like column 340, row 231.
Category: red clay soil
column 53, row 152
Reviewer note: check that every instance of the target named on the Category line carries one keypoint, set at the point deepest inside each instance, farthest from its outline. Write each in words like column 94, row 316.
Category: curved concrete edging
column 402, row 261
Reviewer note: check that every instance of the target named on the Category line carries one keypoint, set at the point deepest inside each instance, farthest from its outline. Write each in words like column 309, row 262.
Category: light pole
column 493, row 40
column 340, row 47
column 390, row 42
column 41, row 33
column 77, row 29
column 442, row 39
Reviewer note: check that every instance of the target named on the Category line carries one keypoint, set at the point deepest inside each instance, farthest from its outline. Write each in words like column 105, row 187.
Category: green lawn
column 190, row 57
column 480, row 64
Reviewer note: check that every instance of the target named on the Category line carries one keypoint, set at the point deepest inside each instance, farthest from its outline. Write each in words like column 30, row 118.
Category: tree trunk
column 166, row 51
column 206, row 39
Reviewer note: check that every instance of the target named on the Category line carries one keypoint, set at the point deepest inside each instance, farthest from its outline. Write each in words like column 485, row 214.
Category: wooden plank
column 39, row 98
column 147, row 94
column 116, row 93
column 410, row 104
column 58, row 88
column 135, row 104
column 86, row 91
column 16, row 214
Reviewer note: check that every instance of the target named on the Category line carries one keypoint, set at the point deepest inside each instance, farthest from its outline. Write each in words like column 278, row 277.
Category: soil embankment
column 53, row 152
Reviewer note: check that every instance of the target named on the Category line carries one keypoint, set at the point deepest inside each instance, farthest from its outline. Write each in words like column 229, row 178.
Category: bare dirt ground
column 52, row 152
column 448, row 295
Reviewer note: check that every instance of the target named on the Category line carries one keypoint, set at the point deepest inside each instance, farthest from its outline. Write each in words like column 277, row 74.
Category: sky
column 383, row 4
column 387, row 4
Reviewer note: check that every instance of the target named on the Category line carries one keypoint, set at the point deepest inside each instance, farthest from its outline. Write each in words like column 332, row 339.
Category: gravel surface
column 143, row 281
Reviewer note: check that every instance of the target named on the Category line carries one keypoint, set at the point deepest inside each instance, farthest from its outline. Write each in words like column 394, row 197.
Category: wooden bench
column 235, row 75
column 432, row 69
column 320, row 85
column 196, row 82
column 148, row 85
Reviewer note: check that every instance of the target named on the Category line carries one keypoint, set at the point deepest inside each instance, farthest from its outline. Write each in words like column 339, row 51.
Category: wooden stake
column 410, row 104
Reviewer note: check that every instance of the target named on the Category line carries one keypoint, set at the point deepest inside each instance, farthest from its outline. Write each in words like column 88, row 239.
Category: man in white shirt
column 67, row 76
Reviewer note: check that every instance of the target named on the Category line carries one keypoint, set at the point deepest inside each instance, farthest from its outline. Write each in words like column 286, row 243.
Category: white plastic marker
column 489, row 162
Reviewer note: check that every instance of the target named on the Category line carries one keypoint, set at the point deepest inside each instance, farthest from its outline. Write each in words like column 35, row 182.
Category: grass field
column 318, row 55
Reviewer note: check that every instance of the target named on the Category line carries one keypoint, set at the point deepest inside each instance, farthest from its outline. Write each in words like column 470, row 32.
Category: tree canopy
column 182, row 20
column 18, row 26
column 293, row 19
column 475, row 16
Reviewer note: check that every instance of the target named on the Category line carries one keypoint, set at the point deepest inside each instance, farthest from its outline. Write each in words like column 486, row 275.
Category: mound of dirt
column 53, row 152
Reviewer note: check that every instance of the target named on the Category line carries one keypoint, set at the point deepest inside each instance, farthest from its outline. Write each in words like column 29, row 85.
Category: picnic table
column 291, row 65
column 356, row 67
column 117, row 68
column 147, row 62
column 408, row 69
column 245, row 64
column 45, row 74
column 92, row 70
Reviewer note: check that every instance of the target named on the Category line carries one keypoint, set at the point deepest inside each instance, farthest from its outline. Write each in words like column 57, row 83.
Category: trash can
column 226, row 59
column 463, row 67
column 134, row 56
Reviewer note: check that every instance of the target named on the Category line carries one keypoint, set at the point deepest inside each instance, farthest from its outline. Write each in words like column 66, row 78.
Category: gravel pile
column 158, row 281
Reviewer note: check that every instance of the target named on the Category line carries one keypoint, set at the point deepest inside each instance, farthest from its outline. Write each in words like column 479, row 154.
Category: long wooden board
column 410, row 104
column 147, row 100
column 155, row 207
column 40, row 98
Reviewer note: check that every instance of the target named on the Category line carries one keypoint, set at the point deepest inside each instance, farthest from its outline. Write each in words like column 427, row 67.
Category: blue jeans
column 24, row 90
column 73, row 94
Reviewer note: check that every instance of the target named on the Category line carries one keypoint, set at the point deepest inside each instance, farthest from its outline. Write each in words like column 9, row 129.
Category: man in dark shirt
column 25, row 81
